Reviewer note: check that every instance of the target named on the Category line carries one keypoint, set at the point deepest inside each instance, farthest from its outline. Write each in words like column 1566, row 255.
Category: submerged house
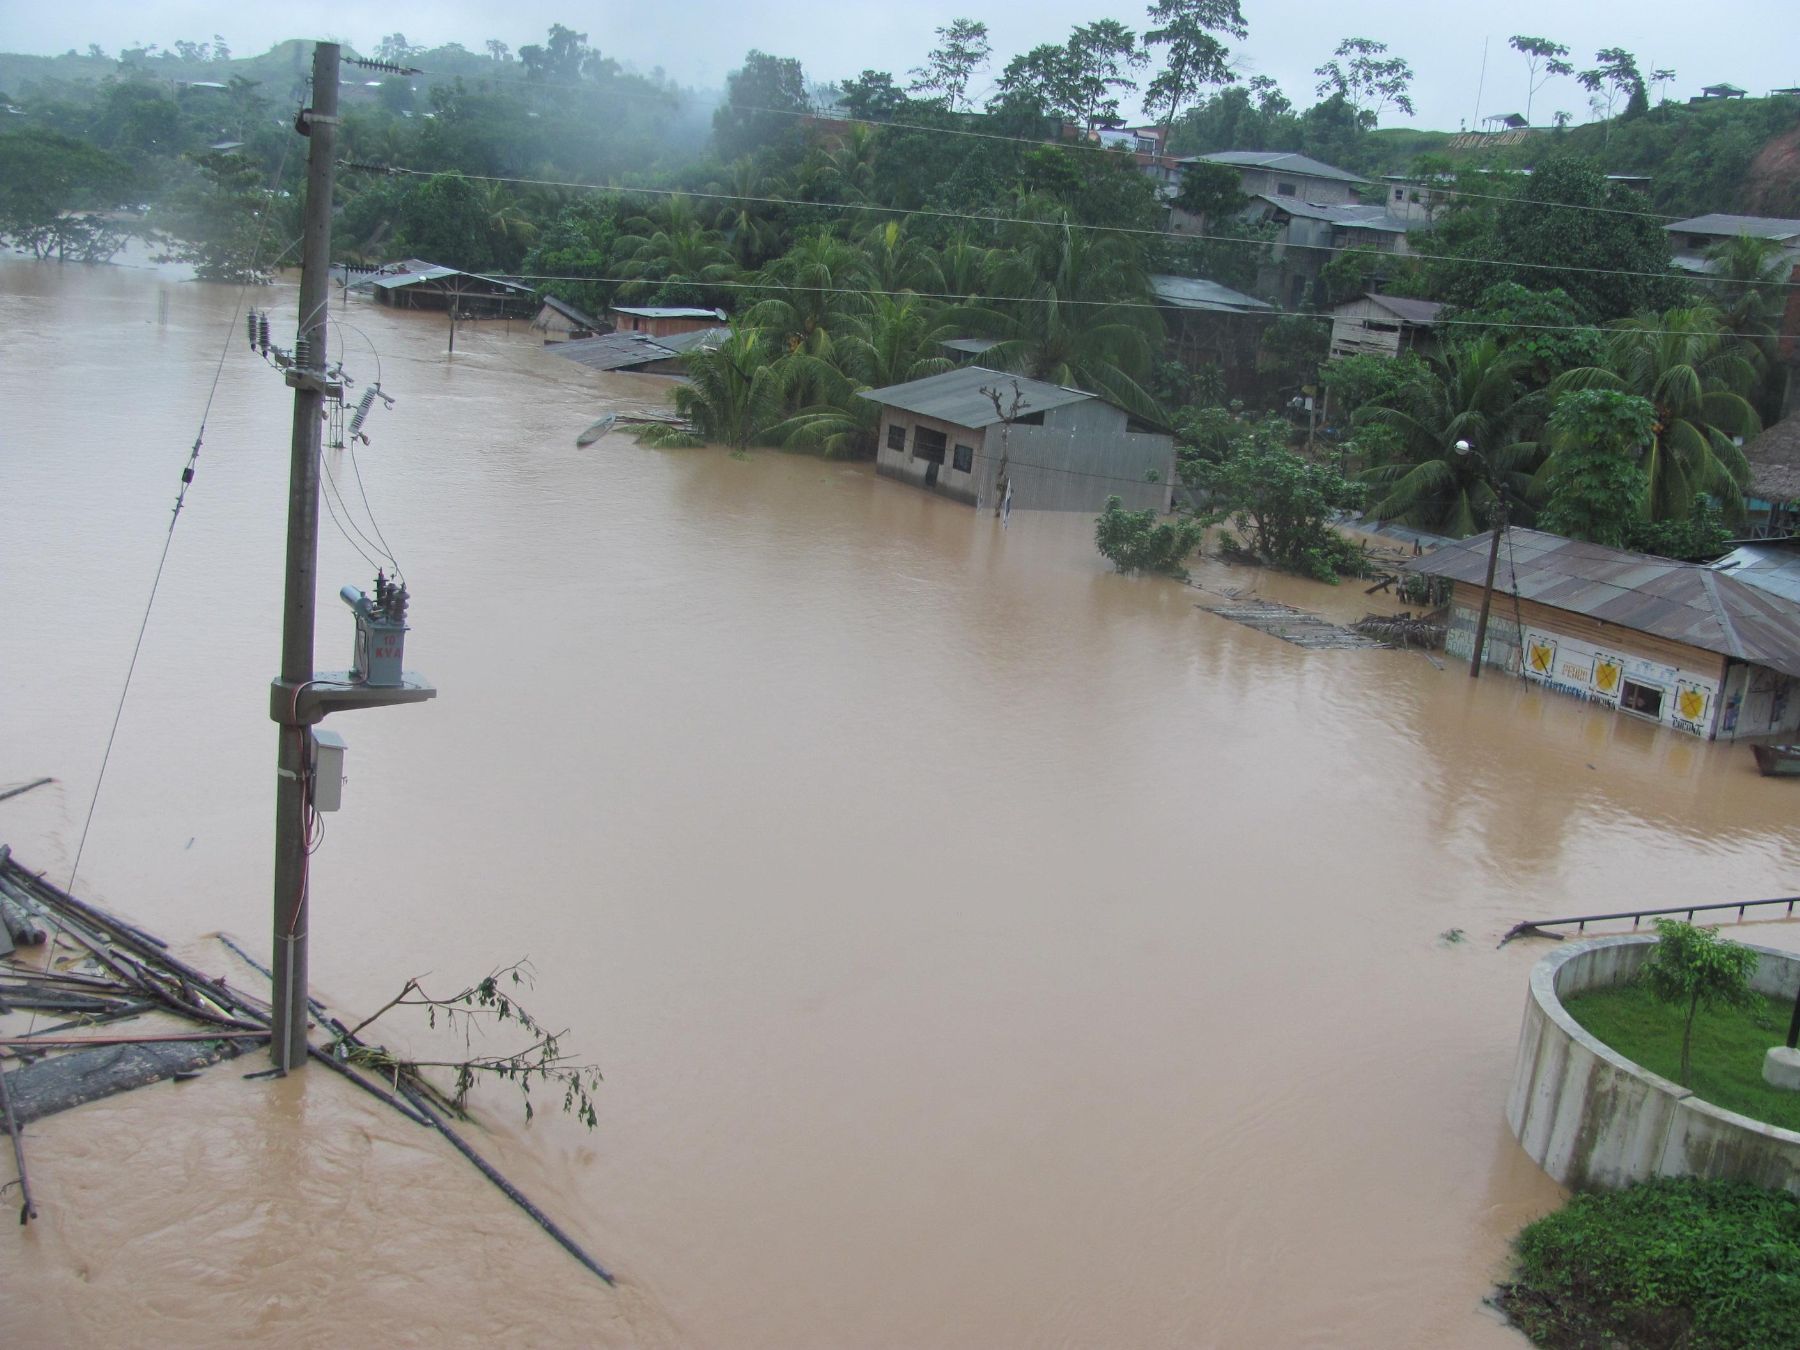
column 417, row 284
column 1675, row 643
column 559, row 321
column 969, row 432
column 663, row 320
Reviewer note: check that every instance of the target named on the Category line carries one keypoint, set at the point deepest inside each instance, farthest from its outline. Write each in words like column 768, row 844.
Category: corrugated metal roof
column 1199, row 293
column 956, row 397
column 1770, row 567
column 1683, row 602
column 969, row 346
column 568, row 311
column 668, row 312
column 1347, row 215
column 1411, row 311
column 1281, row 161
column 699, row 337
column 1728, row 226
column 614, row 351
column 414, row 271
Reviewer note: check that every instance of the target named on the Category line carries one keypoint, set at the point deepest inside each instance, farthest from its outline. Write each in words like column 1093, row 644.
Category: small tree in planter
column 1698, row 968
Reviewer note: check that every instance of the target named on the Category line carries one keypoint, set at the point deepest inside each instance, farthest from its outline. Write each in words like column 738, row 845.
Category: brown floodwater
column 982, row 949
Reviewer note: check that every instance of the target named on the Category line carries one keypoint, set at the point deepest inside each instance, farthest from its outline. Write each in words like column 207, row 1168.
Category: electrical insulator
column 250, row 325
column 263, row 332
column 362, row 411
column 303, row 352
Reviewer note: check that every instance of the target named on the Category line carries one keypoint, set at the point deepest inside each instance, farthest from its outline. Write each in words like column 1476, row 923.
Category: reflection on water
column 982, row 948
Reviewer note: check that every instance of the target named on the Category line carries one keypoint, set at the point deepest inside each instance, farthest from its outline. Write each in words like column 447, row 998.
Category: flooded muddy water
column 982, row 949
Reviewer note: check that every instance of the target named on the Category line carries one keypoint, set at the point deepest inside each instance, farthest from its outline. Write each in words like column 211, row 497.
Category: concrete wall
column 970, row 487
column 1074, row 463
column 1757, row 701
column 1591, row 1118
column 1577, row 655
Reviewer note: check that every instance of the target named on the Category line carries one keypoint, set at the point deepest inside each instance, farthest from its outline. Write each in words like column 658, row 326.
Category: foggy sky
column 1745, row 42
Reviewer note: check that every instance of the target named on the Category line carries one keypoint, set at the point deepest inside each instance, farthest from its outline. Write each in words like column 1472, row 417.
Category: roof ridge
column 1709, row 579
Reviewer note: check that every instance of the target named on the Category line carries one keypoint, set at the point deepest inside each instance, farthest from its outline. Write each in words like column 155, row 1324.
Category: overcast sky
column 1750, row 43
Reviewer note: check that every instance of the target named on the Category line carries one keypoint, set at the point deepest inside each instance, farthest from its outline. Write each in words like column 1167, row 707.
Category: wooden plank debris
column 1293, row 625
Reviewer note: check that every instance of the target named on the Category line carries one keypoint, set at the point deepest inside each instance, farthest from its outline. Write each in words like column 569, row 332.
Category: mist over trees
column 850, row 224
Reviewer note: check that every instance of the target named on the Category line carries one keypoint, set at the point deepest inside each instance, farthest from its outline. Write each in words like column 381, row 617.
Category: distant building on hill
column 1383, row 325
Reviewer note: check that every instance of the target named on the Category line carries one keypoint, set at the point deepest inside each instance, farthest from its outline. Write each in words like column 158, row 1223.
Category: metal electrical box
column 328, row 769
column 380, row 633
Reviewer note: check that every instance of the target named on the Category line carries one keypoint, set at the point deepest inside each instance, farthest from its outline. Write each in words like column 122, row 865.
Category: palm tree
column 675, row 263
column 1687, row 363
column 1749, row 277
column 896, row 340
column 736, row 393
column 964, row 265
column 745, row 220
column 1072, row 307
column 811, row 290
column 1474, row 394
column 899, row 262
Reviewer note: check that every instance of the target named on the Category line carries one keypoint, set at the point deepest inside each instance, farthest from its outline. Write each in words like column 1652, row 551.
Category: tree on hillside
column 1539, row 51
column 1541, row 328
column 949, row 68
column 1196, row 57
column 1101, row 55
column 1367, row 79
column 873, row 96
column 565, row 58
column 1567, row 227
column 1082, row 80
column 1592, row 481
column 761, row 101
column 1693, row 371
column 395, row 48
column 1613, row 76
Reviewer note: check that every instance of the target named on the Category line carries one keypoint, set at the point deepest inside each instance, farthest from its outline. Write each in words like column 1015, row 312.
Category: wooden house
column 1674, row 643
column 1382, row 325
column 1212, row 325
column 559, row 321
column 662, row 320
column 417, row 284
column 967, row 433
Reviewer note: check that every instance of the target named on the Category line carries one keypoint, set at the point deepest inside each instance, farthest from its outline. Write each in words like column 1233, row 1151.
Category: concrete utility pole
column 307, row 376
column 309, row 770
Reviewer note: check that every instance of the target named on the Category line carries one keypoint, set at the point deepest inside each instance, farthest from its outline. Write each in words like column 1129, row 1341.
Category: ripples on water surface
column 982, row 949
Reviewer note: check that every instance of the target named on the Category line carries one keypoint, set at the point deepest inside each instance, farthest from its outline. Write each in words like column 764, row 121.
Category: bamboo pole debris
column 143, row 966
column 27, row 1207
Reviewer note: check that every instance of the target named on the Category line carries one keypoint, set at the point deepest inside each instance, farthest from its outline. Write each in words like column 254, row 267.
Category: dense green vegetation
column 1703, row 1265
column 849, row 227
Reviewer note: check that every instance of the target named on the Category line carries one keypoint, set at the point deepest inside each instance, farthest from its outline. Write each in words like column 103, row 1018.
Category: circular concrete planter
column 1591, row 1118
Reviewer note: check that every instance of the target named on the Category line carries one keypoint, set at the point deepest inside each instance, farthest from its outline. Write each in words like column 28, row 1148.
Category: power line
column 958, row 298
column 1038, row 143
column 618, row 189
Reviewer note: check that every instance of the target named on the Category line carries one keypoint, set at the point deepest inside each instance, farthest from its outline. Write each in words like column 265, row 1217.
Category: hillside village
column 757, row 436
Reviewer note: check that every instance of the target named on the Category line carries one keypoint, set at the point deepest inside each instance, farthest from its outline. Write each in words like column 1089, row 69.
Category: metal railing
column 1536, row 927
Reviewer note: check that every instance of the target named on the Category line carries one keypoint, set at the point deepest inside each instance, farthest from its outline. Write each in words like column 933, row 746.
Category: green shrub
column 1711, row 1265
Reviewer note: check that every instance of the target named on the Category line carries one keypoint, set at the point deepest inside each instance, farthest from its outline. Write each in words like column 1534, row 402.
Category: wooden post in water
column 307, row 376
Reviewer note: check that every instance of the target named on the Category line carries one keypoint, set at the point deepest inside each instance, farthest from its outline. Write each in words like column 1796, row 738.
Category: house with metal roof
column 1690, row 239
column 1209, row 325
column 417, row 284
column 639, row 352
column 1284, row 175
column 663, row 320
column 971, row 432
column 559, row 321
column 1310, row 234
column 1674, row 643
column 1382, row 325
